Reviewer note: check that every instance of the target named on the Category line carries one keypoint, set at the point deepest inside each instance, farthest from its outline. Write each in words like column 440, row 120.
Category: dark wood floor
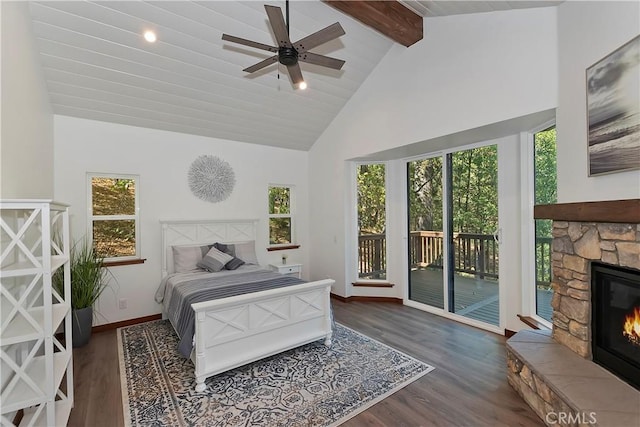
column 467, row 388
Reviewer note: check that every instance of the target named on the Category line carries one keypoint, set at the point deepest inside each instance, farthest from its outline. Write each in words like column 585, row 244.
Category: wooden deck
column 475, row 298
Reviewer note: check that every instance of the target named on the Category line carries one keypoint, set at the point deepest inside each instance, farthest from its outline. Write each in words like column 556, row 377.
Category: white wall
column 26, row 169
column 588, row 31
column 162, row 160
column 469, row 71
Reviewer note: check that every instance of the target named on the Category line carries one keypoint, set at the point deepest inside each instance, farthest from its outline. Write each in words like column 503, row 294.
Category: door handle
column 497, row 235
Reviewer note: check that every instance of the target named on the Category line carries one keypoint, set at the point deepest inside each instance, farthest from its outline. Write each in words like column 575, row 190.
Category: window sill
column 124, row 262
column 532, row 322
column 282, row 248
column 374, row 284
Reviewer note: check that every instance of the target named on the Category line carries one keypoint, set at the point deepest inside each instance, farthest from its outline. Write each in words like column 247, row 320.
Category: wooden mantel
column 624, row 211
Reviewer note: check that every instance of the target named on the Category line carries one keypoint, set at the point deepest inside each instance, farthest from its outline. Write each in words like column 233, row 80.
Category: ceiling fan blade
column 278, row 25
column 261, row 64
column 234, row 39
column 319, row 37
column 295, row 73
column 325, row 61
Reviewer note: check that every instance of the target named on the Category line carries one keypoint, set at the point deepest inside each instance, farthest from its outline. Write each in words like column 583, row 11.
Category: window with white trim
column 545, row 192
column 113, row 216
column 281, row 215
column 372, row 221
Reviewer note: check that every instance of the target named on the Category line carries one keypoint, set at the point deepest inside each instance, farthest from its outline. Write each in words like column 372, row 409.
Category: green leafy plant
column 89, row 277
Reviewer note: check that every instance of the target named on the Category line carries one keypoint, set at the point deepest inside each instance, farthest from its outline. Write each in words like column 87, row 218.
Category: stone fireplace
column 553, row 370
column 575, row 246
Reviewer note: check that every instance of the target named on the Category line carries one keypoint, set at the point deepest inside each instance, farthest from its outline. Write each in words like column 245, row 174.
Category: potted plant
column 88, row 281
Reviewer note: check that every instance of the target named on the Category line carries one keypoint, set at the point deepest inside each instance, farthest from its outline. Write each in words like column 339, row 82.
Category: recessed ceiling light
column 302, row 85
column 150, row 36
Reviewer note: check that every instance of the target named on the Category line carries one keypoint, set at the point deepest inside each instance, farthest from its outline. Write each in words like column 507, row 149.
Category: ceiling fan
column 288, row 53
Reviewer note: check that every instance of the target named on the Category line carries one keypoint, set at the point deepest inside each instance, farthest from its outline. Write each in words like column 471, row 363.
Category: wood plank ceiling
column 98, row 66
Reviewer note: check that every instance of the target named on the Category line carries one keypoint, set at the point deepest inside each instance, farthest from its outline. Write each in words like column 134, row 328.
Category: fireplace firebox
column 615, row 293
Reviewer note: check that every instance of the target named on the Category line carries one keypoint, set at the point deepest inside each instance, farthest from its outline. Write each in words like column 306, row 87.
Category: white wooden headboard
column 196, row 232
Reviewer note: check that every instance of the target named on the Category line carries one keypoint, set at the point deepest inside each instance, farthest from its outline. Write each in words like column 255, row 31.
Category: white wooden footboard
column 233, row 331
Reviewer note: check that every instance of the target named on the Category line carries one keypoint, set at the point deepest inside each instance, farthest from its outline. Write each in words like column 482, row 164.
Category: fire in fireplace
column 632, row 326
column 615, row 322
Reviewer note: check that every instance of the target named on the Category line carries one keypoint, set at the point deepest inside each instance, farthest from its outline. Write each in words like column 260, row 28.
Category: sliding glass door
column 426, row 238
column 473, row 225
column 453, row 223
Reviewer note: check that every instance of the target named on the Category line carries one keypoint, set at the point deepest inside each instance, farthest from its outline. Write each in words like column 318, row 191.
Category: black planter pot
column 81, row 320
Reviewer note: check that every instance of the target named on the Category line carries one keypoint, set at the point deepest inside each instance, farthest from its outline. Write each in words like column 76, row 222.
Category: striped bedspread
column 179, row 294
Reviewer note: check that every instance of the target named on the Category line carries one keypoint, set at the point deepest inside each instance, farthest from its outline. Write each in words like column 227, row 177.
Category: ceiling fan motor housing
column 287, row 56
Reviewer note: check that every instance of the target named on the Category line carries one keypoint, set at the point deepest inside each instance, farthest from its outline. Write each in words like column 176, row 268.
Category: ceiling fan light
column 302, row 85
column 150, row 36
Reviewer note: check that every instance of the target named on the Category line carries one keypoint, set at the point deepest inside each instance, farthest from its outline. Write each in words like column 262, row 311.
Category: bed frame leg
column 327, row 339
column 200, row 386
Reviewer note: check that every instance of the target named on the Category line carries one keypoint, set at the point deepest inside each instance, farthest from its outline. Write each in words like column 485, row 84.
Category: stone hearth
column 553, row 370
column 565, row 389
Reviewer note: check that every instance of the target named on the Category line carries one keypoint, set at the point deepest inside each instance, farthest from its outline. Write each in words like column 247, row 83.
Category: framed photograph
column 613, row 111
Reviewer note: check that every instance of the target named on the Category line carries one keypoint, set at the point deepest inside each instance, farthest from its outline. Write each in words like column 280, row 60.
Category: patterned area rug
column 311, row 385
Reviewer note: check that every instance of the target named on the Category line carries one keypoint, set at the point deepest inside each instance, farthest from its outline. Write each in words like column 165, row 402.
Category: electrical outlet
column 123, row 304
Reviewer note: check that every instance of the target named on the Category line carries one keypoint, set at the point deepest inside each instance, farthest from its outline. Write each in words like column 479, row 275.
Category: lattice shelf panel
column 36, row 365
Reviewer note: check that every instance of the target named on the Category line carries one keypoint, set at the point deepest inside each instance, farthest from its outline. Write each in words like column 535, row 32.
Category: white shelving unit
column 36, row 355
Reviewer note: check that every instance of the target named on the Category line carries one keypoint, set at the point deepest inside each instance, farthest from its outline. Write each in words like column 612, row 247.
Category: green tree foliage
column 280, row 204
column 474, row 187
column 475, row 196
column 544, row 145
column 112, row 196
column 475, row 203
column 279, row 200
column 425, row 194
column 371, row 198
column 546, row 183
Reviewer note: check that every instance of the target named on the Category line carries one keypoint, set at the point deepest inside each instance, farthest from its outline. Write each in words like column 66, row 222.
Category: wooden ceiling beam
column 388, row 17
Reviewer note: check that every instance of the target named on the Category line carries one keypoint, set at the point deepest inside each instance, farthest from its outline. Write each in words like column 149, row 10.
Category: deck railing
column 372, row 254
column 543, row 264
column 475, row 254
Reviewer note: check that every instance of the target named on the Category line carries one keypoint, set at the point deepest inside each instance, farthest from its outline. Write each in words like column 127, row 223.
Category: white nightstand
column 294, row 270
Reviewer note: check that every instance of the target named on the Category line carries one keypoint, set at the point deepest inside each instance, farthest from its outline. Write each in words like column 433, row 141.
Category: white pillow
column 246, row 251
column 214, row 260
column 186, row 258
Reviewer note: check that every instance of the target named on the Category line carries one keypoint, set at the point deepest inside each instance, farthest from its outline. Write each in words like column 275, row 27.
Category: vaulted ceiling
column 98, row 66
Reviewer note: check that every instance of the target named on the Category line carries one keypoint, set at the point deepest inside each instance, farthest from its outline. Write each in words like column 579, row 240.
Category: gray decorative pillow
column 233, row 264
column 186, row 258
column 246, row 251
column 227, row 249
column 214, row 260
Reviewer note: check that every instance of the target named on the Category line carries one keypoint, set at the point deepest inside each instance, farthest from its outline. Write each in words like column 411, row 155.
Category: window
column 372, row 220
column 113, row 216
column 281, row 230
column 545, row 192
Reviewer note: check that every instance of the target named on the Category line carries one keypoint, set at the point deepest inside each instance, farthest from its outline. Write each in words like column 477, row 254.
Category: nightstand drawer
column 294, row 270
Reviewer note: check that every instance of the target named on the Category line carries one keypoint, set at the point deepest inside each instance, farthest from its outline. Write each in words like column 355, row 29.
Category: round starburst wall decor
column 211, row 178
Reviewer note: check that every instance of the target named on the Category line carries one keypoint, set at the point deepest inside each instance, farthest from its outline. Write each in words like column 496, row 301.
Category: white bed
column 233, row 331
